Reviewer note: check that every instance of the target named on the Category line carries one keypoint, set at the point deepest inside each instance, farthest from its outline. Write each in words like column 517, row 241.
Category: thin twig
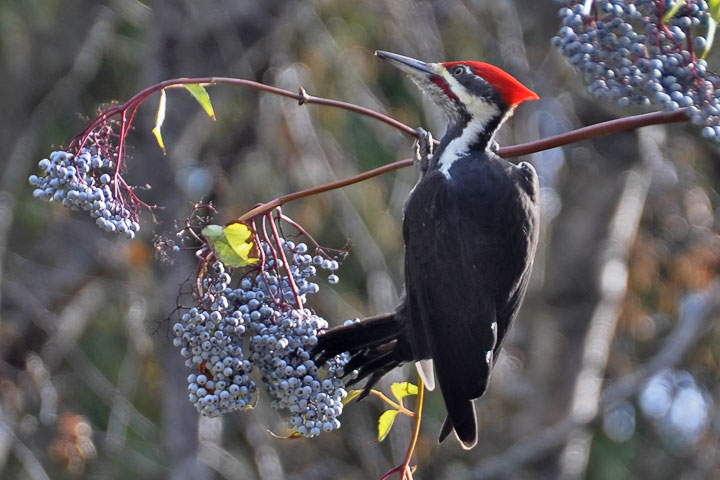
column 416, row 429
column 286, row 265
column 397, row 406
column 404, row 468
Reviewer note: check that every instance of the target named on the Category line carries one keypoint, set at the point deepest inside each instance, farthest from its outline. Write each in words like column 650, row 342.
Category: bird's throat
column 463, row 138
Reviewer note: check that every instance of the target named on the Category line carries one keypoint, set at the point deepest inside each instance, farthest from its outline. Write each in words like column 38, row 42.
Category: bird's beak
column 407, row 64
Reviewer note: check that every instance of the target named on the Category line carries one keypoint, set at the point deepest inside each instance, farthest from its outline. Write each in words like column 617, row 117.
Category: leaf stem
column 407, row 474
column 397, row 406
column 404, row 468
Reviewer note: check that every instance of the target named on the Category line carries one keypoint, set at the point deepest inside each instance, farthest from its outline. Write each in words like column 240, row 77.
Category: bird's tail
column 376, row 345
column 462, row 419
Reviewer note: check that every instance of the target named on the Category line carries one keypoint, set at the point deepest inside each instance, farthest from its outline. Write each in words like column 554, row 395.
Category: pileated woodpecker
column 470, row 228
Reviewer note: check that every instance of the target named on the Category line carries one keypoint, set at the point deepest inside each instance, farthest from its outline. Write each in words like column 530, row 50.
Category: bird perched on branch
column 470, row 228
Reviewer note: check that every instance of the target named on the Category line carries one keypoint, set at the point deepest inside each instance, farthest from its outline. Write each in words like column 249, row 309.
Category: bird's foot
column 494, row 147
column 423, row 149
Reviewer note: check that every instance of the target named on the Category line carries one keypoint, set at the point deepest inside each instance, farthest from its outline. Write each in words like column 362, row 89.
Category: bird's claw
column 423, row 149
column 494, row 147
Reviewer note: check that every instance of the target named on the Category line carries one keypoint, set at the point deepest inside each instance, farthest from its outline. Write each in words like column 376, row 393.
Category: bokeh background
column 611, row 371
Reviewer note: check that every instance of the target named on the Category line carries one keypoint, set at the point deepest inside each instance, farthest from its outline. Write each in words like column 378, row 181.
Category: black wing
column 451, row 311
column 465, row 280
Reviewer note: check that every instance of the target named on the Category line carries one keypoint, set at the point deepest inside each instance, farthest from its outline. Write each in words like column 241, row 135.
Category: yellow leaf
column 239, row 238
column 672, row 11
column 292, row 436
column 401, row 390
column 351, row 395
column 714, row 9
column 710, row 36
column 385, row 423
column 232, row 244
column 201, row 95
column 159, row 119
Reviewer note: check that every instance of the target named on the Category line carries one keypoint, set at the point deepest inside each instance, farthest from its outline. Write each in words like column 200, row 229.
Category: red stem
column 319, row 249
column 263, row 258
column 123, row 125
column 604, row 128
column 591, row 131
column 269, row 243
column 302, row 97
column 291, row 280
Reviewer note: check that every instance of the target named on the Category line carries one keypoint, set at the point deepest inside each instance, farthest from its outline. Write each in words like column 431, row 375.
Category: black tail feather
column 445, row 430
column 371, row 359
column 376, row 345
column 461, row 418
column 368, row 333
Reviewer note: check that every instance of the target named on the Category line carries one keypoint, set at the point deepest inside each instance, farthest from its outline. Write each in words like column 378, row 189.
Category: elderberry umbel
column 629, row 53
column 257, row 324
column 84, row 182
column 87, row 176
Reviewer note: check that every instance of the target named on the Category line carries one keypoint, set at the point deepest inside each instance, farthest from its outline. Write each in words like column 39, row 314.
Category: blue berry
column 78, row 184
column 624, row 57
column 279, row 337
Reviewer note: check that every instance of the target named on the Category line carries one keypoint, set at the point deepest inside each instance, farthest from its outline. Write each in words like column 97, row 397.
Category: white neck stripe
column 481, row 112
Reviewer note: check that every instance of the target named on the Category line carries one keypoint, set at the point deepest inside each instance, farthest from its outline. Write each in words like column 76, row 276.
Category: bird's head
column 473, row 90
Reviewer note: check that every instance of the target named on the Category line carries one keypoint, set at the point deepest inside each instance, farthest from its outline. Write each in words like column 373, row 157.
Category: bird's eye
column 459, row 70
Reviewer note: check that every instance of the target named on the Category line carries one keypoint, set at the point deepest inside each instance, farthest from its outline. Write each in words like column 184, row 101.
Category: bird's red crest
column 512, row 91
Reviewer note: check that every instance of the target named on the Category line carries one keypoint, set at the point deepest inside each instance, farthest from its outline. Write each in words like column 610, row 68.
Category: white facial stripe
column 477, row 107
column 481, row 112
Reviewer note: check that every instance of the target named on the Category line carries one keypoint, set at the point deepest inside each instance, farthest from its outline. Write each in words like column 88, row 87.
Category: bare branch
column 25, row 455
column 601, row 330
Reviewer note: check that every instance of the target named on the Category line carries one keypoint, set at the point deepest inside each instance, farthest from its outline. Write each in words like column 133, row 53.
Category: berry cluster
column 85, row 182
column 210, row 340
column 628, row 54
column 262, row 313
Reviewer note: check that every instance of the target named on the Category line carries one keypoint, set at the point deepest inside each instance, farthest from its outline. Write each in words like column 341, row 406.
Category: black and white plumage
column 470, row 229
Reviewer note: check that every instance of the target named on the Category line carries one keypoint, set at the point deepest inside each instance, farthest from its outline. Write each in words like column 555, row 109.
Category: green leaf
column 669, row 14
column 159, row 119
column 401, row 390
column 351, row 395
column 212, row 232
column 710, row 37
column 201, row 95
column 232, row 244
column 385, row 423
